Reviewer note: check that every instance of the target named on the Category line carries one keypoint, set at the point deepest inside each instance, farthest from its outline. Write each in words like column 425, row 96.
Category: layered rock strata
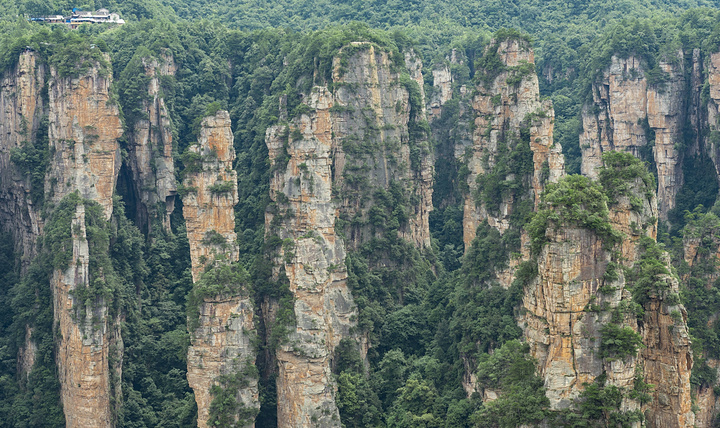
column 222, row 348
column 84, row 128
column 211, row 186
column 631, row 114
column 22, row 108
column 701, row 249
column 313, row 259
column 85, row 336
column 573, row 298
column 505, row 107
column 565, row 311
column 712, row 140
column 444, row 84
column 151, row 149
column 221, row 343
column 355, row 144
column 374, row 116
column 668, row 362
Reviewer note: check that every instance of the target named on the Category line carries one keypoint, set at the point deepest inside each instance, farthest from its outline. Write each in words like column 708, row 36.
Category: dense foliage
column 432, row 316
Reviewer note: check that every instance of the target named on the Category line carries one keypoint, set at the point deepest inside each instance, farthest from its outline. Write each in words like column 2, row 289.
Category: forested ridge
column 429, row 313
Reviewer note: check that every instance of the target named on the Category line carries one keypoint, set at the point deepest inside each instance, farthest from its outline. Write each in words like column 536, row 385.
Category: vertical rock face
column 374, row 114
column 221, row 345
column 22, row 107
column 707, row 402
column 84, row 339
column 84, row 126
column 313, row 258
column 565, row 311
column 81, row 127
column 701, row 250
column 668, row 362
column 211, row 185
column 712, row 145
column 442, row 84
column 580, row 289
column 83, row 131
column 359, row 142
column 625, row 113
column 505, row 108
column 150, row 154
column 564, row 337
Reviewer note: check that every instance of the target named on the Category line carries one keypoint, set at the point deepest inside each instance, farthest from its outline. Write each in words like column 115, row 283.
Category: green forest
column 427, row 312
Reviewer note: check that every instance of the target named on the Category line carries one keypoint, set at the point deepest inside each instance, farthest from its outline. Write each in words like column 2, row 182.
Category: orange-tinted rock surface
column 628, row 113
column 221, row 343
column 355, row 143
column 502, row 110
column 84, row 335
column 84, row 127
column 211, row 188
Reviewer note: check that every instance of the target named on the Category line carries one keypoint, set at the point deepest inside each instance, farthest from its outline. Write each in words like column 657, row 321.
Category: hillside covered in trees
column 361, row 213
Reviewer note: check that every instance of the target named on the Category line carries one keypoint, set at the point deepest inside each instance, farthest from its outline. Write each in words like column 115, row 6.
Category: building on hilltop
column 79, row 17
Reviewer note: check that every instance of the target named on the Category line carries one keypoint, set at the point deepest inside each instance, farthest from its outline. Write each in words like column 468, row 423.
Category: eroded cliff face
column 22, row 108
column 151, row 149
column 579, row 288
column 583, row 286
column 84, row 335
column 668, row 361
column 222, row 351
column 630, row 114
column 357, row 147
column 313, row 259
column 712, row 140
column 211, row 186
column 84, row 127
column 701, row 251
column 508, row 112
column 378, row 143
column 221, row 354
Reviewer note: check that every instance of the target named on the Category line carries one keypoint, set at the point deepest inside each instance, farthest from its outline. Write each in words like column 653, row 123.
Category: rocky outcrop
column 22, row 107
column 712, row 139
column 313, row 259
column 73, row 120
column 564, row 335
column 151, row 149
column 84, row 335
column 442, row 85
column 375, row 121
column 701, row 251
column 221, row 354
column 211, row 186
column 507, row 110
column 581, row 288
column 573, row 296
column 631, row 114
column 707, row 402
column 358, row 145
column 84, row 127
column 668, row 362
